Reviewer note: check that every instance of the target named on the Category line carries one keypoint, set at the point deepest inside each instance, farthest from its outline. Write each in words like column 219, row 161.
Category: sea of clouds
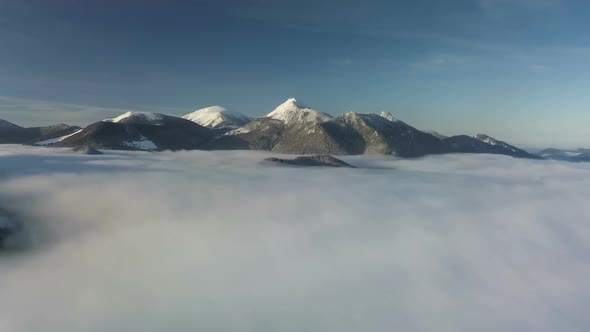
column 216, row 241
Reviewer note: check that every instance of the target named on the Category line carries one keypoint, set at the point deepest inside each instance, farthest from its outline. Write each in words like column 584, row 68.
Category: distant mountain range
column 573, row 155
column 13, row 134
column 291, row 128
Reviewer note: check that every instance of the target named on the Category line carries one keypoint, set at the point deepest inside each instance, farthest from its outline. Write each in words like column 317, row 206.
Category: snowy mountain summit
column 391, row 118
column 293, row 111
column 218, row 117
column 138, row 118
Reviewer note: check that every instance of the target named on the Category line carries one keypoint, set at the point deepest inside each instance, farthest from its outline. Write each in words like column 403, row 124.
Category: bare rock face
column 295, row 129
column 318, row 160
column 84, row 149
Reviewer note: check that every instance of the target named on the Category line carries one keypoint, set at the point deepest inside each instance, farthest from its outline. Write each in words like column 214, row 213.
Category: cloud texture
column 214, row 241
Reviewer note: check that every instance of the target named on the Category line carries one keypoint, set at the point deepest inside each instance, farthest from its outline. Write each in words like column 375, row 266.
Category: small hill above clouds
column 313, row 161
column 218, row 117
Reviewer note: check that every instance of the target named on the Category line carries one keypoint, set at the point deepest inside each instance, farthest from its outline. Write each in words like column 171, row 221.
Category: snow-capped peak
column 294, row 111
column 137, row 117
column 390, row 117
column 218, row 117
column 487, row 139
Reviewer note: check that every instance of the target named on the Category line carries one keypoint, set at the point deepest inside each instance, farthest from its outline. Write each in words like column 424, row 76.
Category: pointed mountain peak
column 390, row 117
column 293, row 102
column 294, row 111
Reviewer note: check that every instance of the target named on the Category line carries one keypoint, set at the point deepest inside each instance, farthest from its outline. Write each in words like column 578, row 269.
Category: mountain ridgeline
column 13, row 134
column 292, row 128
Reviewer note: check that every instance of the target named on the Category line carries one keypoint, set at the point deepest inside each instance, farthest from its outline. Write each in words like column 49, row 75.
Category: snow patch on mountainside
column 492, row 141
column 141, row 144
column 139, row 117
column 218, row 117
column 486, row 139
column 294, row 111
column 57, row 139
column 242, row 130
column 391, row 118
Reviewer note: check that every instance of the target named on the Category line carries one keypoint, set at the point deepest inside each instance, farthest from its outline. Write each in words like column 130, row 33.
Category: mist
column 217, row 241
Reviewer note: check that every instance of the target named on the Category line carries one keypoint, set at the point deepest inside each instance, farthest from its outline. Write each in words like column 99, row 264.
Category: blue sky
column 515, row 69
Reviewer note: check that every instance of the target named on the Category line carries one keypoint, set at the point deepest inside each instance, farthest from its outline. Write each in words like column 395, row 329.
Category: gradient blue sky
column 515, row 69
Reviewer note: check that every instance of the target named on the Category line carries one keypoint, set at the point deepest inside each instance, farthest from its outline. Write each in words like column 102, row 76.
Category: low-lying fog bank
column 216, row 241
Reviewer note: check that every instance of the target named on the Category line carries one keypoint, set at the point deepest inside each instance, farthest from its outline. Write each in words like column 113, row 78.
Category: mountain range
column 573, row 155
column 13, row 134
column 291, row 128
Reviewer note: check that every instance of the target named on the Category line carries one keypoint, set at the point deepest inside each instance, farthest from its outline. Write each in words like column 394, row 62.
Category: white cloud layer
column 214, row 241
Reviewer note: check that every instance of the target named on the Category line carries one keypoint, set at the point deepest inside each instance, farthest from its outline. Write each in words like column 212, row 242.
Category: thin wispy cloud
column 32, row 113
column 537, row 68
column 504, row 8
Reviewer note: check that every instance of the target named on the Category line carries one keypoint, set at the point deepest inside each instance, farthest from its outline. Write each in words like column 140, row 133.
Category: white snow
column 57, row 139
column 218, row 117
column 143, row 117
column 293, row 111
column 390, row 117
column 242, row 130
column 141, row 144
column 486, row 139
column 490, row 141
